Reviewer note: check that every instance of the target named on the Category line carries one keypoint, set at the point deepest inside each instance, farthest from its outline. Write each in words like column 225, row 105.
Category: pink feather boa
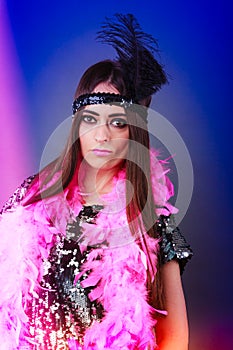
column 119, row 277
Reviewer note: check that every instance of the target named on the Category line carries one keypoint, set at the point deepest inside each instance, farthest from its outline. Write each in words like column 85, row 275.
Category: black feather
column 143, row 74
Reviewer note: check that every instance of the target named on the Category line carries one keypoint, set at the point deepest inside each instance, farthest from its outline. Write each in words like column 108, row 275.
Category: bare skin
column 172, row 330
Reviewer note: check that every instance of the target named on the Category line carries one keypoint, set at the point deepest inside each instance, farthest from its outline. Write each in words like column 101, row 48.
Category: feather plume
column 143, row 74
column 118, row 278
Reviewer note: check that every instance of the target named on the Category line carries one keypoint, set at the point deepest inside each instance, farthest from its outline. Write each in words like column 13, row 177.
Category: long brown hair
column 137, row 164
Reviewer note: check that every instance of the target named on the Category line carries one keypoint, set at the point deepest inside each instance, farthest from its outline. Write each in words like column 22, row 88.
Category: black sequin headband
column 100, row 98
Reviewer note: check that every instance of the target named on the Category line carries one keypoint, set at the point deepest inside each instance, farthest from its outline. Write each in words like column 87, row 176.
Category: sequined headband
column 99, row 98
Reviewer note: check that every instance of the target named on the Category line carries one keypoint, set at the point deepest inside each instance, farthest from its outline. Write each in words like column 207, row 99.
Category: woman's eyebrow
column 91, row 112
column 112, row 115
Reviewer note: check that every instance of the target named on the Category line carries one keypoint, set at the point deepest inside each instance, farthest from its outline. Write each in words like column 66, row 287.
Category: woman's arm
column 172, row 330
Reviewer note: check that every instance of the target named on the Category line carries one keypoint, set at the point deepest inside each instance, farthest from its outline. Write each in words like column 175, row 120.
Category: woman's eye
column 119, row 123
column 88, row 119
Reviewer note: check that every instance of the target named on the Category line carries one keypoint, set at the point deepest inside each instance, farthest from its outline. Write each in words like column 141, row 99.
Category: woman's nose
column 102, row 133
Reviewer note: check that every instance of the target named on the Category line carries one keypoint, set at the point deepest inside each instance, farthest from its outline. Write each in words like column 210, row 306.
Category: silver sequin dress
column 63, row 310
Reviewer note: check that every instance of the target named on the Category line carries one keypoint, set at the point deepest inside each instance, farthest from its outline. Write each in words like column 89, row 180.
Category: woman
column 96, row 257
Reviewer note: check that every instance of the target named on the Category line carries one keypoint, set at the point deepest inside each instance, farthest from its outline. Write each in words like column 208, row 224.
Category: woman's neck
column 97, row 182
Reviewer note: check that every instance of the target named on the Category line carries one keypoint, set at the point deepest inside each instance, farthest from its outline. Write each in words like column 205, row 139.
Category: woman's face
column 104, row 133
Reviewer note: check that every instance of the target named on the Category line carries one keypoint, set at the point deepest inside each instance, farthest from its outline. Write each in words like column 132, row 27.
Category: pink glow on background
column 211, row 335
column 56, row 44
column 14, row 150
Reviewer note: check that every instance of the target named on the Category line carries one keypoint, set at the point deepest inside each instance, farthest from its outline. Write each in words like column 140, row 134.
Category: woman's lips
column 101, row 152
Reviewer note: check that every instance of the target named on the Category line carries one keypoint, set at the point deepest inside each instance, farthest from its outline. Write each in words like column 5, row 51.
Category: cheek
column 84, row 144
column 121, row 142
column 83, row 139
column 122, row 146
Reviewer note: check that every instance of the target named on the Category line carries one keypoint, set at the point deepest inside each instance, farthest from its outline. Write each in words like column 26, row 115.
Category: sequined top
column 62, row 309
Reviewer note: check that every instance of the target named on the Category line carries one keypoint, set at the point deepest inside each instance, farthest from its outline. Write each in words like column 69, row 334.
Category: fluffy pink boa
column 119, row 277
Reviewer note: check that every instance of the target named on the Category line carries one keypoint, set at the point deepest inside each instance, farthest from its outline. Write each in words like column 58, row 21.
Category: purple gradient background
column 44, row 48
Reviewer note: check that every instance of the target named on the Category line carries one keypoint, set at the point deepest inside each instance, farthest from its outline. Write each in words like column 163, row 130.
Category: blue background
column 54, row 42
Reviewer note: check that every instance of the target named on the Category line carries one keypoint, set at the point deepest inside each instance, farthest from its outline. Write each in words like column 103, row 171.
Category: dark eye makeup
column 89, row 119
column 119, row 123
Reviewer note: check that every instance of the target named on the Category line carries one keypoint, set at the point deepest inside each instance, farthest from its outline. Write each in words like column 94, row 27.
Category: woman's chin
column 101, row 164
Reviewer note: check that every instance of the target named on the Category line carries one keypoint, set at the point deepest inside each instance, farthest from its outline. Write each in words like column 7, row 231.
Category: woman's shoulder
column 18, row 195
column 173, row 244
